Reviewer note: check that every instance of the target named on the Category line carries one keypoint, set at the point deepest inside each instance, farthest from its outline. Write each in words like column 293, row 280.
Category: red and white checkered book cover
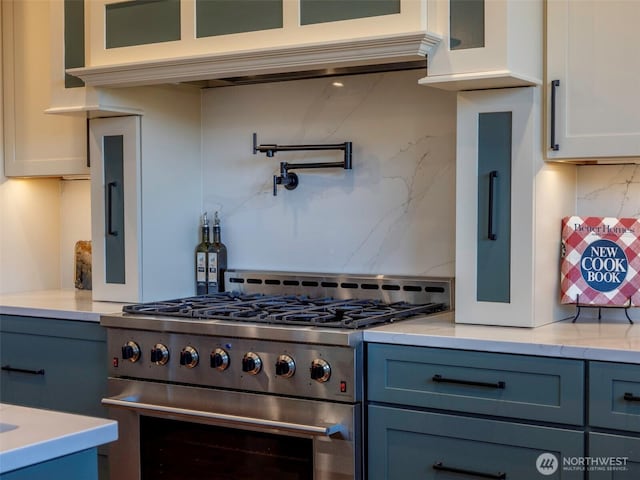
column 600, row 261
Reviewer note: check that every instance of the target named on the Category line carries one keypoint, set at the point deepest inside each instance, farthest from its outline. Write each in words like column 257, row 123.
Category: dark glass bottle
column 201, row 257
column 216, row 260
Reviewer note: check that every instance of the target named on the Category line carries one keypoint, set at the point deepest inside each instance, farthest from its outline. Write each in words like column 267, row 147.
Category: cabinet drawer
column 406, row 444
column 73, row 368
column 535, row 388
column 614, row 393
column 618, row 457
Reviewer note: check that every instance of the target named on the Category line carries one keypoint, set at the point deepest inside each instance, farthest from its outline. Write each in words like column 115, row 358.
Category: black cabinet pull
column 9, row 368
column 493, row 177
column 444, row 468
column 630, row 397
column 554, row 85
column 441, row 379
column 110, row 187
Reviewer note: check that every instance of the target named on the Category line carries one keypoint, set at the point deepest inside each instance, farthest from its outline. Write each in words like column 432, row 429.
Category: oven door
column 177, row 432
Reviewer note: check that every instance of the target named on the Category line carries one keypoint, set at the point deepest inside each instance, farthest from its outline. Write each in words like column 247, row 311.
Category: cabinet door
column 204, row 27
column 115, row 208
column 592, row 53
column 35, row 143
column 486, row 44
column 619, row 457
column 53, row 364
column 406, row 444
column 614, row 393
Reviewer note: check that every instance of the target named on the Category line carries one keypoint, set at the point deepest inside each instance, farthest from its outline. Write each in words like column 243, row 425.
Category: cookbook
column 600, row 263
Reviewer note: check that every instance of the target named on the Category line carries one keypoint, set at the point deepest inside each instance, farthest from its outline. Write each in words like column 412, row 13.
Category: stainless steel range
column 262, row 381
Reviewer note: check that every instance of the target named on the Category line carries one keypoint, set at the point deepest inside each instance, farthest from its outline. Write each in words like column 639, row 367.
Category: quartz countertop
column 29, row 435
column 589, row 339
column 67, row 304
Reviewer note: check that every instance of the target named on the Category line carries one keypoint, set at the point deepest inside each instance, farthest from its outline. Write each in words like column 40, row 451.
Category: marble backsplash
column 393, row 213
column 609, row 191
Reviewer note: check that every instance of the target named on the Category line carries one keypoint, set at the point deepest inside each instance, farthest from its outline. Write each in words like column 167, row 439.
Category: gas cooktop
column 287, row 309
column 306, row 299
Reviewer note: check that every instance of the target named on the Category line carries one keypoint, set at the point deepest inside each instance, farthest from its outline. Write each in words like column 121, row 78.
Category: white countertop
column 30, row 435
column 68, row 304
column 588, row 338
column 607, row 340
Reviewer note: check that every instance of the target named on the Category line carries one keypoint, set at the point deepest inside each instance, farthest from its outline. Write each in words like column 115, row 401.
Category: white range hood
column 380, row 53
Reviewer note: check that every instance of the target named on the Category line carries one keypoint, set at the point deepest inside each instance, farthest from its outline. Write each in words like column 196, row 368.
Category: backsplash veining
column 393, row 213
column 609, row 190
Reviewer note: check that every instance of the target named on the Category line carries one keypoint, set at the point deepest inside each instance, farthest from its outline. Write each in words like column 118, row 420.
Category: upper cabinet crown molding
column 301, row 36
column 592, row 81
column 358, row 52
column 486, row 44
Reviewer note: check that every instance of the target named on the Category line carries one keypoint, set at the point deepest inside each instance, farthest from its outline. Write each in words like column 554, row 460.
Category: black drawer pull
column 9, row 368
column 630, row 397
column 441, row 379
column 554, row 85
column 491, row 231
column 444, row 468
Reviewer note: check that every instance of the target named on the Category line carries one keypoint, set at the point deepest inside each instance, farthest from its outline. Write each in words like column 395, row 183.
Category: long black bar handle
column 111, row 186
column 440, row 466
column 9, row 368
column 630, row 397
column 491, row 233
column 441, row 379
column 554, row 85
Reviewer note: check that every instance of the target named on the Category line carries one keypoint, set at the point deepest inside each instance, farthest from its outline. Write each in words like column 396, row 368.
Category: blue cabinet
column 56, row 365
column 408, row 444
column 77, row 466
column 53, row 364
column 449, row 414
column 501, row 385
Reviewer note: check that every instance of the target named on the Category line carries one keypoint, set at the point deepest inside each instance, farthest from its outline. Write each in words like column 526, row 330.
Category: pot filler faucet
column 289, row 179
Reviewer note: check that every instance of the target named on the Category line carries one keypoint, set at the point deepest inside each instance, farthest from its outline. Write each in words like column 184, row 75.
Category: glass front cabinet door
column 486, row 44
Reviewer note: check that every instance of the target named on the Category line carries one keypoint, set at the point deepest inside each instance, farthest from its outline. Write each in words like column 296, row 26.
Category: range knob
column 285, row 366
column 219, row 359
column 320, row 370
column 189, row 357
column 159, row 354
column 131, row 351
column 251, row 363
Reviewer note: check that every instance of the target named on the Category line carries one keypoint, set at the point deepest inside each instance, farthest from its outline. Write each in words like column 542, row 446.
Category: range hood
column 360, row 55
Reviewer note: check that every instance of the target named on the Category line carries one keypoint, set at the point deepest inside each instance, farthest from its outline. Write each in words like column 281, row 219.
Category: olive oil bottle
column 216, row 260
column 201, row 257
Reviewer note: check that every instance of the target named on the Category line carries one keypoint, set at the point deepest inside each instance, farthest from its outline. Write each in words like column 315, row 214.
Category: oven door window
column 172, row 449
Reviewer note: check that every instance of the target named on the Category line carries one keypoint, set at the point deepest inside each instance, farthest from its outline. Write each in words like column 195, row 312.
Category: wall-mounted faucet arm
column 289, row 179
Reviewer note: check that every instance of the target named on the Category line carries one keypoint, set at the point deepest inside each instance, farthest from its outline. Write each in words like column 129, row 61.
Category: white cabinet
column 509, row 206
column 146, row 197
column 35, row 144
column 70, row 96
column 592, row 52
column 486, row 44
column 196, row 40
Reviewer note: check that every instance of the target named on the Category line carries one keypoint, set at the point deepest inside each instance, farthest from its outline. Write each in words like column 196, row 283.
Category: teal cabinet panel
column 493, row 272
column 73, row 40
column 503, row 385
column 224, row 17
column 78, row 466
column 141, row 22
column 466, row 24
column 53, row 364
column 615, row 457
column 321, row 11
column 614, row 396
column 114, row 241
column 406, row 444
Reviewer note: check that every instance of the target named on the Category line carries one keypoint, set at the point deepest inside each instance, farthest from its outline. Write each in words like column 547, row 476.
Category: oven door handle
column 315, row 430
